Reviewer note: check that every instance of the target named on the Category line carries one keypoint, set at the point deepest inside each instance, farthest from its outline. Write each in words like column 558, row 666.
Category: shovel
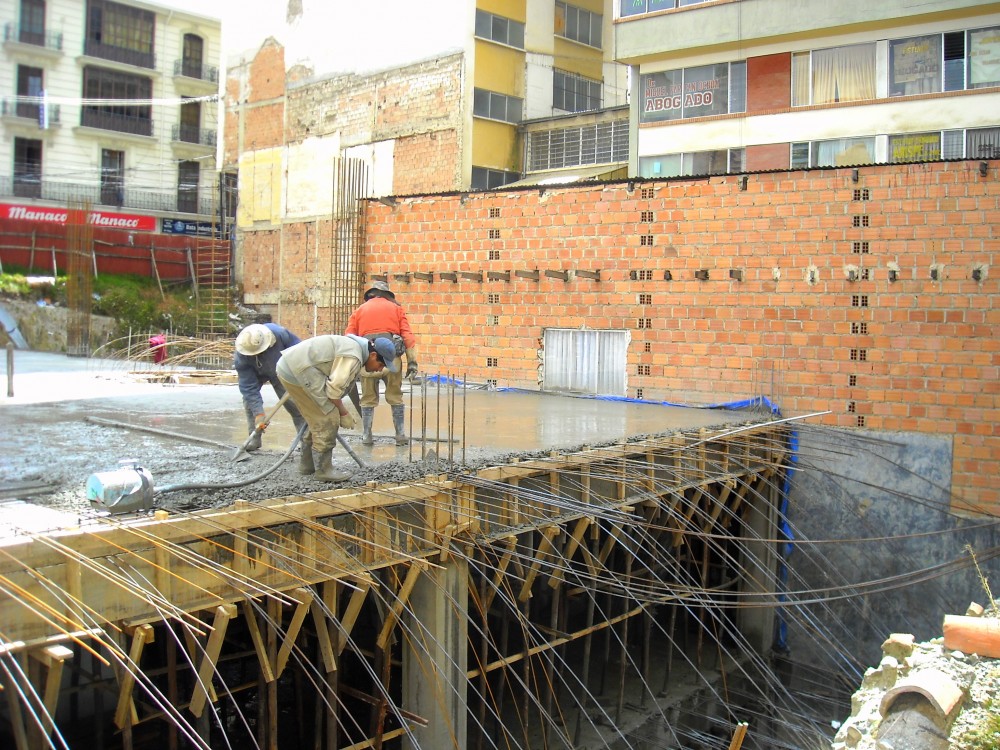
column 241, row 452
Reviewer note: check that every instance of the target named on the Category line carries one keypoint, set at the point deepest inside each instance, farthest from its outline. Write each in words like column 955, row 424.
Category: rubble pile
column 927, row 696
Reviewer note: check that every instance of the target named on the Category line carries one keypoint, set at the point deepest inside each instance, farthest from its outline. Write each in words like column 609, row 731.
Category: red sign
column 98, row 219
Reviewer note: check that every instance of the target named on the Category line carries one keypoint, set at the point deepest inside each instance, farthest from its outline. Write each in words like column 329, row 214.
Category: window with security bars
column 484, row 178
column 573, row 93
column 974, row 143
column 601, row 143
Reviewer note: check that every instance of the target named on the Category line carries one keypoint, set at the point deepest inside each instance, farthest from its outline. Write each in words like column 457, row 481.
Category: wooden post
column 156, row 271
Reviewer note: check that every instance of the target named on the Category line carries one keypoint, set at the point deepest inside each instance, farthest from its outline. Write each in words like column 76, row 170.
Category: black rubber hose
column 242, row 482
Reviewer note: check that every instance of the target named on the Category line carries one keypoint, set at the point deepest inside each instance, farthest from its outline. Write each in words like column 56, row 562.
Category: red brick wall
column 771, row 156
column 769, row 82
column 915, row 354
column 422, row 162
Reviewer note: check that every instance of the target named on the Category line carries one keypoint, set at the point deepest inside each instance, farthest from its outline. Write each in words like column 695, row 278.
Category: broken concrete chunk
column 939, row 690
column 974, row 610
column 899, row 645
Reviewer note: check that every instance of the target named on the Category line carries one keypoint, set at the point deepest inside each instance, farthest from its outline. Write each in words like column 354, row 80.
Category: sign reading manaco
column 53, row 215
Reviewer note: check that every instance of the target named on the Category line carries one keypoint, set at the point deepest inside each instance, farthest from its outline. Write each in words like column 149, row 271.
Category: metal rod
column 437, row 424
column 465, row 391
column 10, row 369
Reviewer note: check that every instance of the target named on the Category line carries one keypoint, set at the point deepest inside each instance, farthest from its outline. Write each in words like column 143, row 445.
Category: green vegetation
column 133, row 301
column 985, row 735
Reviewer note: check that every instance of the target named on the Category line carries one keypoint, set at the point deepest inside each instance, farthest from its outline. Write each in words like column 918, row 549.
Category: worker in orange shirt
column 381, row 316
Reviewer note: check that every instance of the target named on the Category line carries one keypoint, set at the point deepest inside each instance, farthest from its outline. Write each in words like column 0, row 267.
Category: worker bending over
column 381, row 316
column 317, row 374
column 258, row 347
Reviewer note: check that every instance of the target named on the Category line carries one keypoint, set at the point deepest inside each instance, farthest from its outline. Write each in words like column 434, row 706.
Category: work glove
column 411, row 369
column 347, row 421
column 259, row 421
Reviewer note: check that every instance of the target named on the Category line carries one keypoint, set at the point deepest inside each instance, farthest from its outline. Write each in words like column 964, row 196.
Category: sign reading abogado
column 96, row 218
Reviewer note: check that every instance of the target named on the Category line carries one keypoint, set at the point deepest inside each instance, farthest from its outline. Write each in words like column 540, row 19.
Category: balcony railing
column 97, row 118
column 16, row 33
column 119, row 54
column 204, row 203
column 12, row 106
column 192, row 70
column 194, row 134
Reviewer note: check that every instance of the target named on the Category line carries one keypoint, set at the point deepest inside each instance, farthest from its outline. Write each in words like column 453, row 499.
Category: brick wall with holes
column 870, row 294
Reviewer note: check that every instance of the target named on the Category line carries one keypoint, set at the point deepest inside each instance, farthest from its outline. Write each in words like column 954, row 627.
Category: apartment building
column 751, row 85
column 110, row 105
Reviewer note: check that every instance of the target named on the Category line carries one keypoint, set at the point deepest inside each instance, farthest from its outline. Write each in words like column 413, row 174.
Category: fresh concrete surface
column 48, row 439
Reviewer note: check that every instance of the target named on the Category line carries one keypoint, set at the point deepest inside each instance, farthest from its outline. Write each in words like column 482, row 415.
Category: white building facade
column 113, row 105
column 752, row 85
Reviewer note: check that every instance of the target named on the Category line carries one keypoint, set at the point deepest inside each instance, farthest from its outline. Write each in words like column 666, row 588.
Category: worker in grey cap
column 380, row 315
column 317, row 374
column 258, row 347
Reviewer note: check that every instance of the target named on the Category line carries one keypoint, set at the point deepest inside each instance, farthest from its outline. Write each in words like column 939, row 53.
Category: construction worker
column 317, row 374
column 380, row 315
column 258, row 348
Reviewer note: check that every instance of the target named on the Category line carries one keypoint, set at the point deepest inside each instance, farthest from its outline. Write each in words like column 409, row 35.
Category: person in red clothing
column 380, row 315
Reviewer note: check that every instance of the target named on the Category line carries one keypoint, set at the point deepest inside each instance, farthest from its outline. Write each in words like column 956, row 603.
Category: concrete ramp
column 10, row 326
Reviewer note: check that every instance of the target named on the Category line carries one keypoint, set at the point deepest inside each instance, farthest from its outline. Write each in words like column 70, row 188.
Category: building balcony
column 97, row 49
column 104, row 120
column 187, row 69
column 47, row 40
column 29, row 112
column 200, row 203
column 193, row 134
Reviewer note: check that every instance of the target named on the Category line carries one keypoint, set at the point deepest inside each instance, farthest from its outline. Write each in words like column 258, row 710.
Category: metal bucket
column 125, row 490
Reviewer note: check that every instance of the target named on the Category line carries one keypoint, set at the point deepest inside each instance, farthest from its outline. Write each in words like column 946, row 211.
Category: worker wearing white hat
column 258, row 348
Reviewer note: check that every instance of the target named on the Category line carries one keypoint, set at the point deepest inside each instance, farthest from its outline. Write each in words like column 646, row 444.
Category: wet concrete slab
column 48, row 438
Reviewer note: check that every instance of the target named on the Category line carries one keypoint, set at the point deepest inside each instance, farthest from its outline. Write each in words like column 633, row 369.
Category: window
column 914, row 147
column 484, row 178
column 193, row 56
column 496, row 106
column 190, row 130
column 499, row 29
column 834, row 153
column 578, row 24
column 129, row 117
column 838, row 74
column 635, row 7
column 27, row 168
column 32, row 29
column 976, row 143
column 585, row 361
column 915, row 65
column 984, row 46
column 601, row 143
column 188, row 174
column 694, row 92
column 723, row 161
column 120, row 33
column 574, row 93
column 112, row 177
column 29, row 83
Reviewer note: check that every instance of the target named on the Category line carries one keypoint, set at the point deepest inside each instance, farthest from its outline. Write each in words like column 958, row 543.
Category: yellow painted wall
column 494, row 145
column 516, row 10
column 260, row 187
column 499, row 69
column 578, row 58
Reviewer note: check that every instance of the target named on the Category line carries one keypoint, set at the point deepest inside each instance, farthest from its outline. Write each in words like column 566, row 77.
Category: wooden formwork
column 128, row 629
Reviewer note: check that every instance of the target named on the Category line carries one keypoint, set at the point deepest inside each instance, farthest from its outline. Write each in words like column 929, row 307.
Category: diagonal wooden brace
column 223, row 614
column 304, row 597
column 416, row 568
column 258, row 640
column 125, row 711
column 544, row 545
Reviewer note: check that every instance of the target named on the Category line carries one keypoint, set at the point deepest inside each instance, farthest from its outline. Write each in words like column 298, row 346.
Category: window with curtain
column 843, row 74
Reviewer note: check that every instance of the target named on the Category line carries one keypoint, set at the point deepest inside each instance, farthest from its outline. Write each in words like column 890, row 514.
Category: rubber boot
column 325, row 471
column 254, row 443
column 306, row 465
column 367, row 417
column 397, row 422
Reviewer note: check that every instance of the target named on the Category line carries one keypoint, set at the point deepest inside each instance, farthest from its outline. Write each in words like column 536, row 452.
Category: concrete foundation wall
column 887, row 495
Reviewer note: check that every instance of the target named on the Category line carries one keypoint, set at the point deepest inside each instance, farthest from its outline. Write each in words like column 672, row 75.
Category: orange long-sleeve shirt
column 380, row 315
